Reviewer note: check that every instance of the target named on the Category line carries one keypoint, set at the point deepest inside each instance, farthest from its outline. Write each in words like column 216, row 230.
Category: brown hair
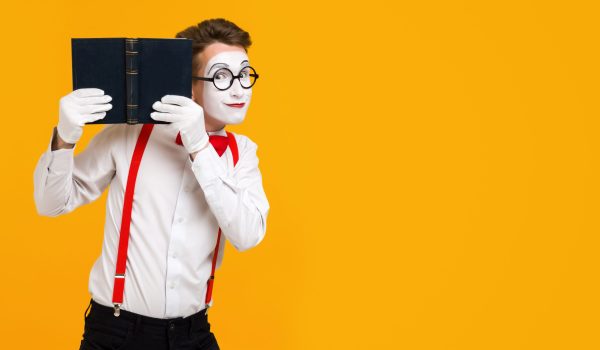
column 214, row 30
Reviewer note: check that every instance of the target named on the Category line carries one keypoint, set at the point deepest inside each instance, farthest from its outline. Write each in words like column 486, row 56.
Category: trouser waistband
column 197, row 320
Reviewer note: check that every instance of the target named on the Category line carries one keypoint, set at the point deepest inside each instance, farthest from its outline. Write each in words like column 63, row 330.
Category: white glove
column 186, row 116
column 79, row 107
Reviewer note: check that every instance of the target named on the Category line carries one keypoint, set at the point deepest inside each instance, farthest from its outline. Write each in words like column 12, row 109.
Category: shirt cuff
column 207, row 166
column 59, row 159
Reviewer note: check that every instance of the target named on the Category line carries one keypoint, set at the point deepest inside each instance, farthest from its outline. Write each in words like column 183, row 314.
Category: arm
column 58, row 143
column 238, row 202
column 63, row 182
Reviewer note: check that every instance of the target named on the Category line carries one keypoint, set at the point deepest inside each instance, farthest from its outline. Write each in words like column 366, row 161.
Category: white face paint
column 216, row 101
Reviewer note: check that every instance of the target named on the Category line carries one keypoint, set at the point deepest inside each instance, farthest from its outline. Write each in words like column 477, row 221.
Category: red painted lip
column 236, row 105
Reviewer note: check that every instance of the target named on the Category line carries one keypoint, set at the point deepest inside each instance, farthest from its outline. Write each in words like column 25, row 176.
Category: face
column 220, row 106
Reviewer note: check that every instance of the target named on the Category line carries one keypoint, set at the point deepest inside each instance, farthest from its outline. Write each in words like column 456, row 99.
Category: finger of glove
column 87, row 92
column 176, row 100
column 93, row 100
column 167, row 117
column 94, row 116
column 167, row 108
column 89, row 109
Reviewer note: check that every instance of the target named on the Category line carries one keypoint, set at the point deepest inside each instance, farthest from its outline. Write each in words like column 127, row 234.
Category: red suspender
column 136, row 159
column 211, row 279
column 233, row 146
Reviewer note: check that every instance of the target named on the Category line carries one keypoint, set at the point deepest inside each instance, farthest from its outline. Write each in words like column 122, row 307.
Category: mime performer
column 177, row 192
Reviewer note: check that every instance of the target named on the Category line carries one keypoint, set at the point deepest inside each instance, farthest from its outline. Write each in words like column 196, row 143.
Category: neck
column 212, row 124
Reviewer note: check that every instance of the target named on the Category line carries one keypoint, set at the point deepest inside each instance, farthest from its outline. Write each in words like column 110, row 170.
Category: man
column 193, row 185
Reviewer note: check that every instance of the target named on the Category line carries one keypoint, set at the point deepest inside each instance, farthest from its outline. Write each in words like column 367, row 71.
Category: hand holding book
column 186, row 117
column 78, row 108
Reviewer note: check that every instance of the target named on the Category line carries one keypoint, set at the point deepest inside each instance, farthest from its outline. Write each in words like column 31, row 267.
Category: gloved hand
column 186, row 116
column 79, row 107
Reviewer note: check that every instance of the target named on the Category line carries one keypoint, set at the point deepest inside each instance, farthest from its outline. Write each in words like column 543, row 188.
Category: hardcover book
column 135, row 72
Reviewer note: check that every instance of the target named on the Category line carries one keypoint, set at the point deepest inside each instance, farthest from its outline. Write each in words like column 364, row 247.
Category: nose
column 236, row 89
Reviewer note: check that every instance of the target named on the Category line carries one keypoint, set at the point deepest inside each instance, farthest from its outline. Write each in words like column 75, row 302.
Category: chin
column 232, row 119
column 235, row 121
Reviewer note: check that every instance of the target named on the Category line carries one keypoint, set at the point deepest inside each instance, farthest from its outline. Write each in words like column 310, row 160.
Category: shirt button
column 172, row 285
column 180, row 220
column 173, row 255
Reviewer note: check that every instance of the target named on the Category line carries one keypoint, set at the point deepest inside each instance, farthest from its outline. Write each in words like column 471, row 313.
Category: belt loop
column 86, row 310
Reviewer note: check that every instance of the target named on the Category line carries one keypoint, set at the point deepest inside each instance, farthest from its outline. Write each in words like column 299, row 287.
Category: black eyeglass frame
column 233, row 77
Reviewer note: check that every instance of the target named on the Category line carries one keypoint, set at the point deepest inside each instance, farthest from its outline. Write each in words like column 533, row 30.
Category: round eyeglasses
column 223, row 78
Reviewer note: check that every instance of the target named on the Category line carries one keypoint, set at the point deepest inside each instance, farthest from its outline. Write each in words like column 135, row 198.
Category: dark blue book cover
column 135, row 72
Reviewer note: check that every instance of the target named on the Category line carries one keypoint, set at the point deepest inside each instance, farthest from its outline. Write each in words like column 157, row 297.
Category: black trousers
column 131, row 331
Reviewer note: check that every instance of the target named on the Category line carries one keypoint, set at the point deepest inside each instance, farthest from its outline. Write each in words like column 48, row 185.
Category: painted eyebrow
column 223, row 64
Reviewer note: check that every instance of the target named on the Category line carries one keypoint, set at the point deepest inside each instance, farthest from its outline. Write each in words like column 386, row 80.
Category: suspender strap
column 211, row 279
column 233, row 146
column 136, row 159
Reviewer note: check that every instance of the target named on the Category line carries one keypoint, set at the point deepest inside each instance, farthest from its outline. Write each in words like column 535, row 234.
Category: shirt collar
column 221, row 132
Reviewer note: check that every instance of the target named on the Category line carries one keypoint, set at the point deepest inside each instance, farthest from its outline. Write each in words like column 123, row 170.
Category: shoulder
column 109, row 136
column 246, row 150
column 111, row 131
column 114, row 132
column 244, row 142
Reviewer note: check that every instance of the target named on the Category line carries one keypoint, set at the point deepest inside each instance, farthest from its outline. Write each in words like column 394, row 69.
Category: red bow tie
column 219, row 142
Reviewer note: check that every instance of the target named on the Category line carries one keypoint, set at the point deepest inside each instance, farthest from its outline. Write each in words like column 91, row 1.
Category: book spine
column 131, row 79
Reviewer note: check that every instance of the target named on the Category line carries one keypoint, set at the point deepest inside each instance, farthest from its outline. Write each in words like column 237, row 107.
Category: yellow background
column 431, row 168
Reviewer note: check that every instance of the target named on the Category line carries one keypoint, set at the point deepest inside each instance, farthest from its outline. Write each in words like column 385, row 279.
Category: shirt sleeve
column 238, row 201
column 63, row 182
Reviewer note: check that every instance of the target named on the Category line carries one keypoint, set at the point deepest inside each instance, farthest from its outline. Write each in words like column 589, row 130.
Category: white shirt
column 178, row 208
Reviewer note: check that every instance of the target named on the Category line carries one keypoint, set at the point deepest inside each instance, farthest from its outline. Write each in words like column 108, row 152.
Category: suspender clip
column 117, row 310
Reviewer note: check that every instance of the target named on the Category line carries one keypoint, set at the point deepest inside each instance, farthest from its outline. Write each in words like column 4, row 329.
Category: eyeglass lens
column 223, row 77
